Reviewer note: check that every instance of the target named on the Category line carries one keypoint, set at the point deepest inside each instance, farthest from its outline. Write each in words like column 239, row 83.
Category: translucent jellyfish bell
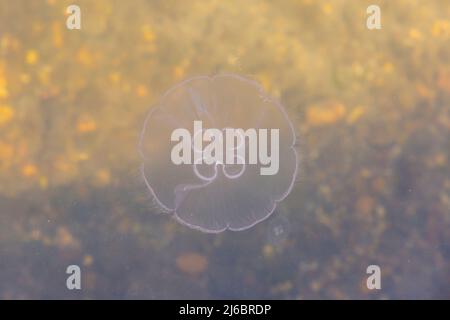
column 222, row 195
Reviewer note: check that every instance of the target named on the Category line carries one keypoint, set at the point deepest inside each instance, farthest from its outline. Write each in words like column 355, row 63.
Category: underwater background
column 372, row 113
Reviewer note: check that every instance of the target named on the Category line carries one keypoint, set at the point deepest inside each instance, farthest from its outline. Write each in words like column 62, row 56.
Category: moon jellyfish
column 218, row 153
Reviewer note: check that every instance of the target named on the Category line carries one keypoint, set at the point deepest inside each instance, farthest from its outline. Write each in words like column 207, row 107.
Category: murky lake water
column 371, row 110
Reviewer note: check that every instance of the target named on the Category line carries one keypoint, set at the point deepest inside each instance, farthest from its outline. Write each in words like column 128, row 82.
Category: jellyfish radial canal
column 218, row 153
